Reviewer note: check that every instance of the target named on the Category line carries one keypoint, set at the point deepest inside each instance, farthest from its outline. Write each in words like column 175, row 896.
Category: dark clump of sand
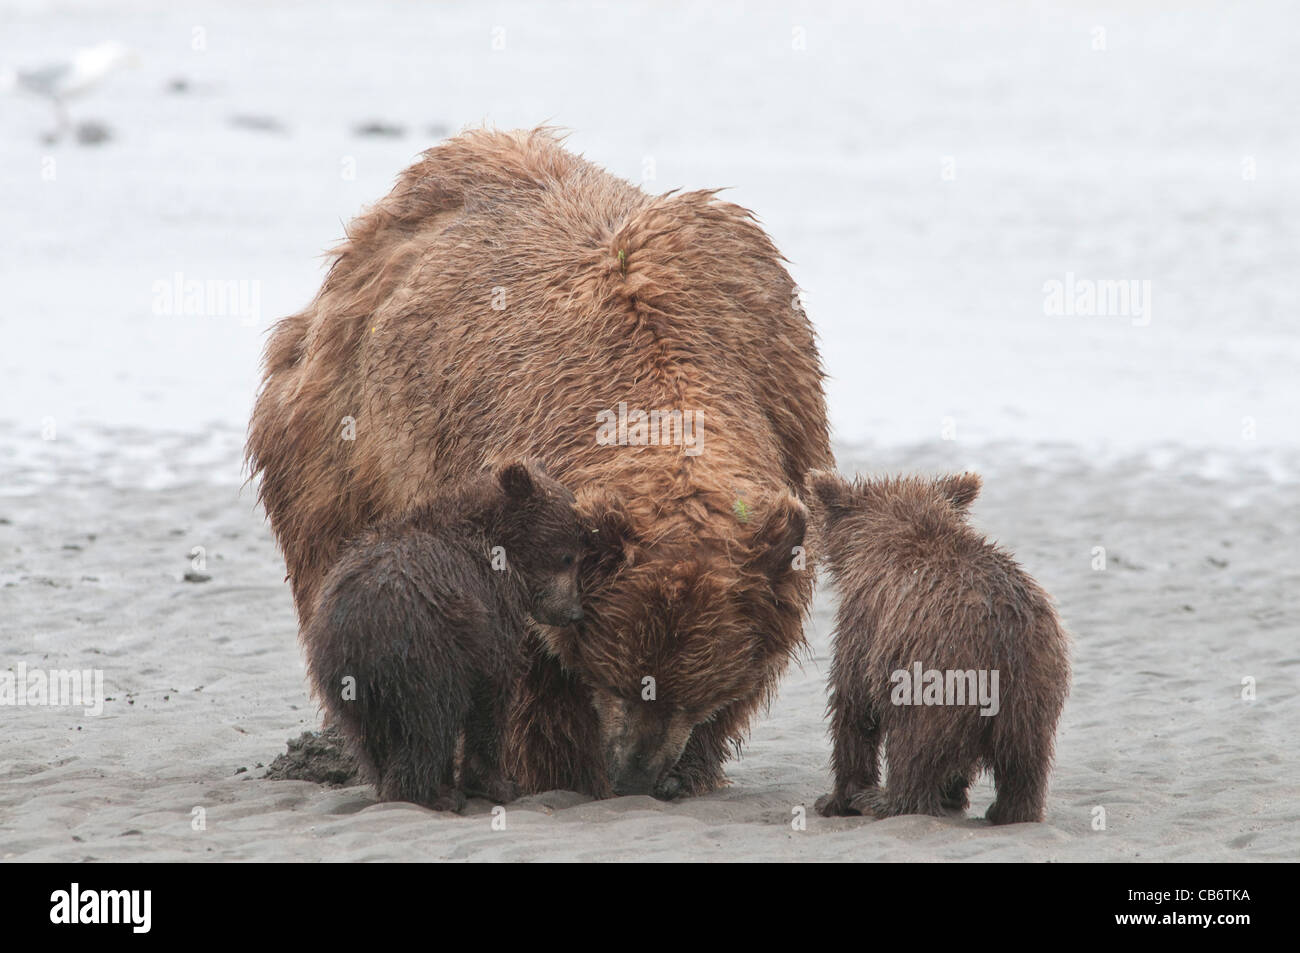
column 316, row 756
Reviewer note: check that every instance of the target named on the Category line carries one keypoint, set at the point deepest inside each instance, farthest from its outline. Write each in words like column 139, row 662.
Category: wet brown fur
column 676, row 301
column 917, row 584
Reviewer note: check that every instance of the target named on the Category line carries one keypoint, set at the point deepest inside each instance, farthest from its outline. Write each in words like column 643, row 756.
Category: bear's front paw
column 670, row 788
column 688, row 780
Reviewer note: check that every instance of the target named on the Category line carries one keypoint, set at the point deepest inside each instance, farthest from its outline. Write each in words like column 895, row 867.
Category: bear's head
column 685, row 619
column 545, row 541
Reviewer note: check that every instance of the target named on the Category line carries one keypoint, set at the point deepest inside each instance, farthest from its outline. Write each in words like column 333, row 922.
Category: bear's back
column 398, row 584
column 948, row 599
column 541, row 292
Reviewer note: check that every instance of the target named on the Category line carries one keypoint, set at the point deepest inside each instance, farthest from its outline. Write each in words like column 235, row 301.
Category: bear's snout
column 644, row 773
column 635, row 779
column 643, row 740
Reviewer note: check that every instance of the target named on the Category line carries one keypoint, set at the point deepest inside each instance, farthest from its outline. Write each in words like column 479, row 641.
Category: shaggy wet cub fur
column 415, row 638
column 921, row 591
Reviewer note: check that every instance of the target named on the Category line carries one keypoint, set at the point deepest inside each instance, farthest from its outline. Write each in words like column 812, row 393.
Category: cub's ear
column 960, row 490
column 516, row 480
column 611, row 535
column 830, row 493
column 777, row 536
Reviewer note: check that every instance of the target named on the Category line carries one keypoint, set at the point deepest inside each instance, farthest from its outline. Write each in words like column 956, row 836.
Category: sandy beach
column 205, row 685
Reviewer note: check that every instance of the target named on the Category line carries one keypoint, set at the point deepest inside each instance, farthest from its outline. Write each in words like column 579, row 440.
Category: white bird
column 69, row 79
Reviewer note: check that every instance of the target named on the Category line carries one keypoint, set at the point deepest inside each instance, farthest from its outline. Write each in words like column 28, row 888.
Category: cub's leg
column 855, row 754
column 920, row 773
column 954, row 796
column 1020, row 772
column 385, row 665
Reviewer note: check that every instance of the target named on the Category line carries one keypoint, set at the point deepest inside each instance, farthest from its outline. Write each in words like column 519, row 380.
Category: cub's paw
column 871, row 802
column 491, row 785
column 451, row 800
column 831, row 805
column 1001, row 812
column 955, row 797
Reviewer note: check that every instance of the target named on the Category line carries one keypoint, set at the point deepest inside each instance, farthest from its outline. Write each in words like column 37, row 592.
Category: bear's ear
column 960, row 490
column 609, row 528
column 831, row 494
column 777, row 536
column 516, row 480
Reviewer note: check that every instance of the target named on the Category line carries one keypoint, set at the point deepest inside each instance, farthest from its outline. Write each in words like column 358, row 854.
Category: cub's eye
column 568, row 560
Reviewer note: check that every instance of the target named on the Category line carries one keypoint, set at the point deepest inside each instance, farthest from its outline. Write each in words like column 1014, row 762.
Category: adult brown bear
column 509, row 299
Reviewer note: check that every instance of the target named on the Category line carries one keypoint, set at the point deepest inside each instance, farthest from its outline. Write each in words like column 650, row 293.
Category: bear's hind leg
column 921, row 776
column 855, row 756
column 407, row 719
column 417, row 780
column 1020, row 776
column 408, row 727
column 902, row 795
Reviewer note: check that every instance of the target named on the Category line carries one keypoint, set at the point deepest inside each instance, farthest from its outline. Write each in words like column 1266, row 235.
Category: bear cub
column 945, row 651
column 416, row 638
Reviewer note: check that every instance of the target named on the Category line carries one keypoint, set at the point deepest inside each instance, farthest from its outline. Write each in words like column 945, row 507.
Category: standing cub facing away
column 945, row 650
column 426, row 616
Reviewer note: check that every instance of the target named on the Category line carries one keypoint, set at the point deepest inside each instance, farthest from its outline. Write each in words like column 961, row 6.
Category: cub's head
column 545, row 541
column 848, row 514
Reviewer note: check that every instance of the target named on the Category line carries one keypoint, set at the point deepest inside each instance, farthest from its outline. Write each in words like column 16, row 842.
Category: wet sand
column 205, row 684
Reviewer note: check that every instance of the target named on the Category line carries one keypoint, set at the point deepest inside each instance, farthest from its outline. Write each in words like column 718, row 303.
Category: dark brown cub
column 415, row 640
